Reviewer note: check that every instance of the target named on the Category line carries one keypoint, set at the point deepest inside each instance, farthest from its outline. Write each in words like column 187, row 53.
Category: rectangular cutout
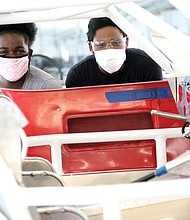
column 119, row 122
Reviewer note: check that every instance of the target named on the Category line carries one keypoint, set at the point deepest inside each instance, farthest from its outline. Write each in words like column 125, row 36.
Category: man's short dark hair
column 27, row 30
column 97, row 23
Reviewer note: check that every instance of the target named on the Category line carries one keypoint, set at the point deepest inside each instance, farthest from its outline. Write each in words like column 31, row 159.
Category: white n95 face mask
column 110, row 60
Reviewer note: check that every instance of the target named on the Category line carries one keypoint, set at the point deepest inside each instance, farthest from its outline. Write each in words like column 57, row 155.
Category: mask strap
column 13, row 57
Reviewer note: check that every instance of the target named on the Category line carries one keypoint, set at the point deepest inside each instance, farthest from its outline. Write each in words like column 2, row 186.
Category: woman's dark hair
column 97, row 23
column 27, row 30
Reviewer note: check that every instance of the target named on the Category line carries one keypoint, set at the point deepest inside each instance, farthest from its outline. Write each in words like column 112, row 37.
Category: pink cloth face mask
column 12, row 69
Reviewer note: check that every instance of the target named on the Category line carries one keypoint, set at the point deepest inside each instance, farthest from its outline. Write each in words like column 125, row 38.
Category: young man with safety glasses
column 111, row 61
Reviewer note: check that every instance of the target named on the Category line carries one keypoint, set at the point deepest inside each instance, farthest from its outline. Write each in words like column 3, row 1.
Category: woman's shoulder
column 39, row 73
column 39, row 79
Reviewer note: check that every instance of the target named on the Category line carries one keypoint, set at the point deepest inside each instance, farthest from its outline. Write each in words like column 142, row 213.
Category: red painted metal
column 87, row 109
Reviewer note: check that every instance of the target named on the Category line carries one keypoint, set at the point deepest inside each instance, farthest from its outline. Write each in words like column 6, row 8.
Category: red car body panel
column 100, row 108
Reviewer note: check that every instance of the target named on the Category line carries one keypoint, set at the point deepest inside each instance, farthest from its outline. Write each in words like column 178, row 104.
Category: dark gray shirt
column 38, row 79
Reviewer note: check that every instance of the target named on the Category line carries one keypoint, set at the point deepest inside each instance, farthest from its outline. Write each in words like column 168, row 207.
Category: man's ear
column 126, row 42
column 30, row 52
column 90, row 47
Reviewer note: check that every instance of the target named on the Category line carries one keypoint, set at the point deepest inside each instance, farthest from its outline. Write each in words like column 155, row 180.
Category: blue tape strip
column 161, row 171
column 141, row 94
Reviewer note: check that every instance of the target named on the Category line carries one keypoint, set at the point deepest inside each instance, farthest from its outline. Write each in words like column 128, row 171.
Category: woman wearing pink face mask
column 111, row 62
column 15, row 56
